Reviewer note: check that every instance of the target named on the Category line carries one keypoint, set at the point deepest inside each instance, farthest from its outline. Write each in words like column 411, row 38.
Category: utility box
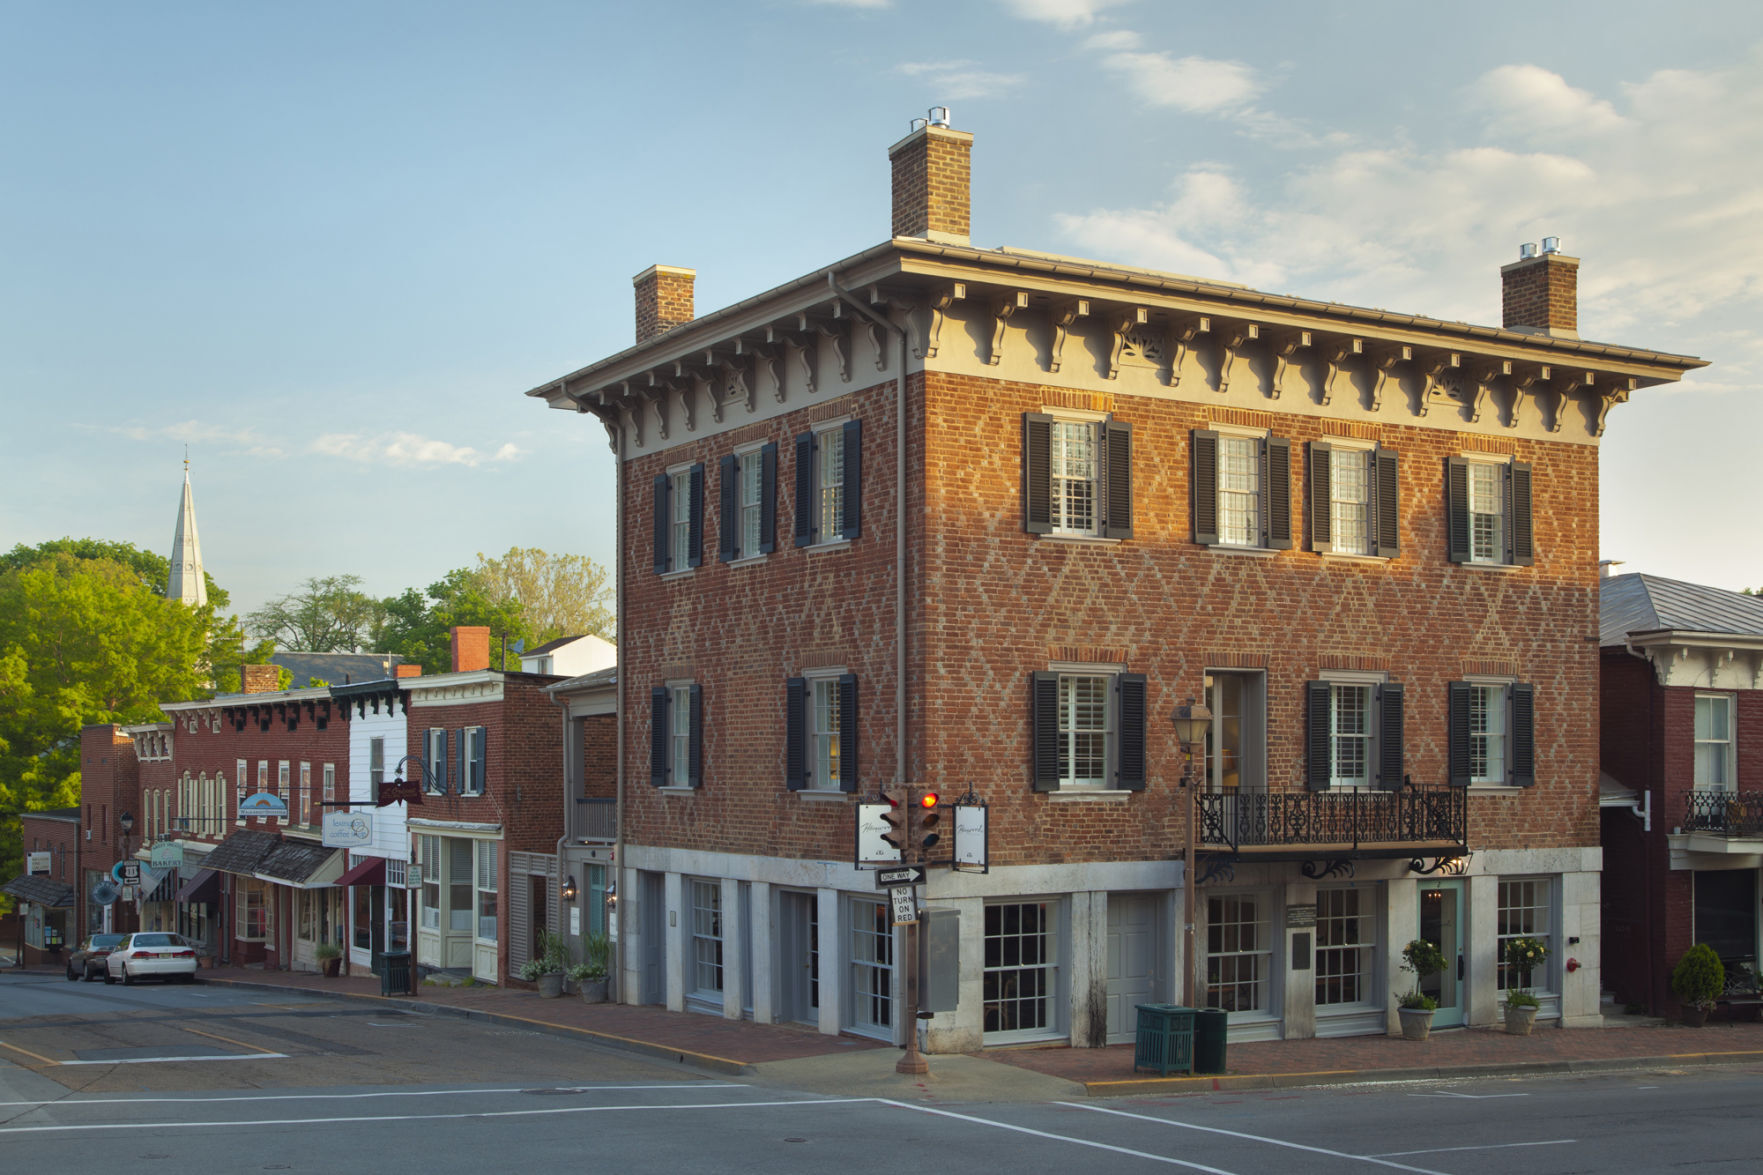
column 939, row 971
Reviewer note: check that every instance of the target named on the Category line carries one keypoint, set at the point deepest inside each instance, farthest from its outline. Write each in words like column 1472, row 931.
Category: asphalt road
column 312, row 1085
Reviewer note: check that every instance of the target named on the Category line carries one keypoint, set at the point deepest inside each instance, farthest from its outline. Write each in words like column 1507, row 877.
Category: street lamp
column 1191, row 723
column 126, row 822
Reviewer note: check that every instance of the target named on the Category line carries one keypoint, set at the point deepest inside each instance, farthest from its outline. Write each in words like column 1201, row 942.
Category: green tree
column 152, row 570
column 416, row 625
column 558, row 595
column 328, row 614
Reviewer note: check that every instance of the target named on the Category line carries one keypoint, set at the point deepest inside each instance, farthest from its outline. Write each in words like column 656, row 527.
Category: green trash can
column 1164, row 1039
column 395, row 973
column 1209, row 1032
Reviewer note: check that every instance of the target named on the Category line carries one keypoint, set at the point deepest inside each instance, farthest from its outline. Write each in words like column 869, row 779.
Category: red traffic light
column 928, row 800
column 928, row 820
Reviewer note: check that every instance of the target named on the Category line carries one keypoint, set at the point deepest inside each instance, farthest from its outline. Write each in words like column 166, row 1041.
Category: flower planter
column 551, row 986
column 593, row 991
column 331, row 967
column 1416, row 1023
column 1519, row 1021
column 1694, row 1017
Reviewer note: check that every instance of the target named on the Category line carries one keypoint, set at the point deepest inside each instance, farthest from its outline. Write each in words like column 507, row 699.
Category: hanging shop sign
column 263, row 804
column 347, row 830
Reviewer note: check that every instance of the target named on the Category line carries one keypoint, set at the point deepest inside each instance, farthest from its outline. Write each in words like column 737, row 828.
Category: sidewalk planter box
column 1165, row 1039
column 1519, row 1021
column 1416, row 1022
column 550, row 985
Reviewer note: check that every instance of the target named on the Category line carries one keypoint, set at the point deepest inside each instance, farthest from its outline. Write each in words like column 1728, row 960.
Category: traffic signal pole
column 911, row 1061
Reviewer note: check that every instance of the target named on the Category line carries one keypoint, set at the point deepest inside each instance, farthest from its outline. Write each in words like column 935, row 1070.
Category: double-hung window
column 376, row 761
column 1346, row 941
column 1489, row 506
column 486, row 889
column 306, row 795
column 1353, row 734
column 1492, row 736
column 706, row 972
column 472, row 760
column 1714, row 741
column 1354, row 499
column 676, row 734
column 1087, row 728
column 820, row 732
column 1236, row 739
column 1242, row 489
column 434, row 760
column 1077, row 475
column 282, row 786
column 1526, row 910
column 829, row 483
column 748, row 525
column 679, row 519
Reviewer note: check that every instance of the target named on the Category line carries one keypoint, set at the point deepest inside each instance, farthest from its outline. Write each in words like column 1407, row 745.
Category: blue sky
column 329, row 245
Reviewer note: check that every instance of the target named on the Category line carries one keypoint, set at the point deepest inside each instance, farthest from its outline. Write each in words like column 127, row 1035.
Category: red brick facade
column 1541, row 293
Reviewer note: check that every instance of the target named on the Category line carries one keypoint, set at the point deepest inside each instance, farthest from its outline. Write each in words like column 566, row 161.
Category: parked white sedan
column 152, row 954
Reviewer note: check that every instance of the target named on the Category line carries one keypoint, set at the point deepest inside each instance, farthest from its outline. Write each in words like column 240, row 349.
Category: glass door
column 1441, row 923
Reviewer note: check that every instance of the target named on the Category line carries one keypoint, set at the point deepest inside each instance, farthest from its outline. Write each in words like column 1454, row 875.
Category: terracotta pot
column 1519, row 1021
column 1416, row 1023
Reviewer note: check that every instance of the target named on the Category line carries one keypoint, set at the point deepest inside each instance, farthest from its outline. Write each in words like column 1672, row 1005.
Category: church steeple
column 187, row 581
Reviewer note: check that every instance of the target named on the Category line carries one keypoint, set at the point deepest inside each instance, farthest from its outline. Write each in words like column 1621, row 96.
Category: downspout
column 899, row 334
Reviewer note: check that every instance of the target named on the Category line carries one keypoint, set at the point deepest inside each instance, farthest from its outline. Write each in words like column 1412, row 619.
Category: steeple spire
column 187, row 581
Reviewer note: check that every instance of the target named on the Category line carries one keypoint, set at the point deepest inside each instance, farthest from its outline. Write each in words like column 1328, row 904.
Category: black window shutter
column 695, row 767
column 1389, row 736
column 1129, row 770
column 658, row 736
column 796, row 734
column 851, row 500
column 1321, row 496
column 804, row 489
column 1043, row 719
column 1518, row 513
column 1205, row 486
column 1037, row 473
column 728, row 517
column 1117, row 470
column 1457, row 509
column 461, row 763
column 1386, row 504
column 480, row 764
column 661, row 518
column 1317, row 744
column 1276, row 470
column 1457, row 695
column 768, row 498
column 1524, row 740
column 848, row 733
column 695, row 522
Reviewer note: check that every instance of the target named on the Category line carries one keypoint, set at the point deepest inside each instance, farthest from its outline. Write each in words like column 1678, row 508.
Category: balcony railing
column 1354, row 823
column 596, row 819
column 1724, row 813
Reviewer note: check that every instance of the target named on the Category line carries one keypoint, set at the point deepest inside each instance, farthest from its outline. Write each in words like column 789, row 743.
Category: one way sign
column 899, row 875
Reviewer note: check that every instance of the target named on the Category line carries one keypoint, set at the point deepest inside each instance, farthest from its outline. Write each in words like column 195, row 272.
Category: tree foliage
column 558, row 595
column 416, row 625
column 151, row 569
column 327, row 614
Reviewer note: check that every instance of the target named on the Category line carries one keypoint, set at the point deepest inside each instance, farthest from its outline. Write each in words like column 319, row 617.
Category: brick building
column 1681, row 688
column 48, row 912
column 982, row 518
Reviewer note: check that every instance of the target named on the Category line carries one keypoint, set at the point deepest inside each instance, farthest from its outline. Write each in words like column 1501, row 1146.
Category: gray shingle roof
column 293, row 861
column 1651, row 603
column 41, row 890
column 242, row 852
column 336, row 668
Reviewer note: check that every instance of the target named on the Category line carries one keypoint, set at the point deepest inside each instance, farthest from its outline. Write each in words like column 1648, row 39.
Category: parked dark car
column 88, row 961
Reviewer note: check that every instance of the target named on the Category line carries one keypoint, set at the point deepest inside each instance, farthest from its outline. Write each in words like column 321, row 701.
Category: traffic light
column 928, row 819
column 899, row 824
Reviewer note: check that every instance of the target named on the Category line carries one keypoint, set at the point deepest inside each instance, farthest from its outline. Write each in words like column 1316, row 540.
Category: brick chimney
column 259, row 679
column 471, row 648
column 932, row 193
column 1540, row 291
column 664, row 299
column 408, row 670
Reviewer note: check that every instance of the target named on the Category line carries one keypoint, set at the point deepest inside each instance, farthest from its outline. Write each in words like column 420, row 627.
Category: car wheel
column 70, row 975
column 127, row 979
column 109, row 978
column 91, row 975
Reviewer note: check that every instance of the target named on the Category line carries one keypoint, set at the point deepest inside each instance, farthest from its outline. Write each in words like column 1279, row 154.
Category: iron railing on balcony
column 596, row 819
column 1351, row 820
column 1725, row 813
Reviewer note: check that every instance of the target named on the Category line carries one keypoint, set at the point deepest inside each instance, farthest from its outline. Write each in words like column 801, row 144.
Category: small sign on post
column 871, row 828
column 905, row 905
column 971, row 848
column 899, row 875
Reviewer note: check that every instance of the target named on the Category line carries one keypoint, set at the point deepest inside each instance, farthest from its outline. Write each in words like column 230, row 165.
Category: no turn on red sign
column 905, row 905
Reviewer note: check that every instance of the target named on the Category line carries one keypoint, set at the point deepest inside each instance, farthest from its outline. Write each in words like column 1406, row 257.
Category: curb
column 420, row 1007
column 1245, row 1082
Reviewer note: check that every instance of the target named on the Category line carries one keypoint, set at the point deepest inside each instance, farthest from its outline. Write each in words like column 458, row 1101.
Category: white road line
column 1492, row 1146
column 1470, row 1097
column 1297, row 1146
column 149, row 1126
column 166, row 1060
column 321, row 1097
column 1101, row 1146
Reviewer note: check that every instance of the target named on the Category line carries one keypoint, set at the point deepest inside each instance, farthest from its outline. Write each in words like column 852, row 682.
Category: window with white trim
column 820, row 731
column 429, row 861
column 1346, row 948
column 872, row 967
column 1354, row 498
column 376, row 761
column 706, row 958
column 1239, row 952
column 1241, row 485
column 486, row 889
column 252, row 920
column 1236, row 739
column 676, row 734
column 748, row 522
column 473, row 760
column 679, row 521
column 1492, row 736
column 306, row 795
column 829, row 464
column 282, row 775
column 459, row 883
column 1488, row 501
column 434, row 760
column 679, row 518
column 1714, row 742
column 1020, row 983
column 1077, row 474
column 1526, row 910
column 1354, row 732
column 1087, row 728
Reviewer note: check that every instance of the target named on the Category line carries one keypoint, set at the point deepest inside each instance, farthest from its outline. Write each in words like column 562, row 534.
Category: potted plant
column 330, row 959
column 547, row 967
column 1697, row 981
column 590, row 975
column 1416, row 1007
column 1522, row 956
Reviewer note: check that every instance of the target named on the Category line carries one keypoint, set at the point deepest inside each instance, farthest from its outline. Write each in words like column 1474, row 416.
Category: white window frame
column 1230, row 440
column 873, row 1008
column 1338, row 681
column 1712, row 750
column 1350, row 460
column 679, row 733
column 376, row 760
column 429, row 862
column 1243, row 971
column 1491, row 745
column 473, row 749
column 434, row 751
column 1347, row 947
column 821, row 729
column 250, row 888
column 283, row 784
column 1525, row 908
column 1488, row 547
column 1067, row 487
column 1001, row 988
column 239, row 784
column 485, row 870
column 708, row 923
column 679, row 520
column 749, row 500
column 1072, row 677
column 1242, row 767
column 306, row 795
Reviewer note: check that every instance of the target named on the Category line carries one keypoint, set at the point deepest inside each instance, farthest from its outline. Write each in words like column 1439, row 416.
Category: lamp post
column 1191, row 723
column 126, row 822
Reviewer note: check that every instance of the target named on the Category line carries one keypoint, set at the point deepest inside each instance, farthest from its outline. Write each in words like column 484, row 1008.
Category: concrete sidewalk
column 800, row 1057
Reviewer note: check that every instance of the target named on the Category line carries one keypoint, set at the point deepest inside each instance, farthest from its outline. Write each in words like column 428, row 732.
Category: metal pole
column 1188, row 883
column 912, row 1061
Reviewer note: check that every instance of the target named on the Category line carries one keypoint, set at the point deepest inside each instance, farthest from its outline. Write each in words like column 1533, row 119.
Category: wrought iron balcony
column 1412, row 821
column 1724, row 813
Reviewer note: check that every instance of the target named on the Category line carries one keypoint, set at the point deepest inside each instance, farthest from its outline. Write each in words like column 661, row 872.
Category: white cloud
column 203, row 436
column 851, row 3
column 1533, row 104
column 955, row 81
column 405, row 449
column 1119, row 39
column 1065, row 14
column 1198, row 85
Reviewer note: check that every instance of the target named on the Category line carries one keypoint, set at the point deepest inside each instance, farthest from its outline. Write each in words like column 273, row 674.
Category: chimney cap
column 1551, row 244
column 937, row 116
column 1527, row 250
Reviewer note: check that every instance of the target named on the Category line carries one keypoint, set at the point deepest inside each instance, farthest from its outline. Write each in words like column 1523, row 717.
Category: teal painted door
column 1441, row 923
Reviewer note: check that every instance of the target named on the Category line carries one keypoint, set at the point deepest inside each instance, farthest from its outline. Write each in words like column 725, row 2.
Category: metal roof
column 1639, row 603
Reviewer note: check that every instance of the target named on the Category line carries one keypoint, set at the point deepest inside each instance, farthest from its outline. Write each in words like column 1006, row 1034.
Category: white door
column 1132, row 960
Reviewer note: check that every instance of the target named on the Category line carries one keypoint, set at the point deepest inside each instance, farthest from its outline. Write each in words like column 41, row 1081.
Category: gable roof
column 337, row 668
column 1639, row 603
column 41, row 890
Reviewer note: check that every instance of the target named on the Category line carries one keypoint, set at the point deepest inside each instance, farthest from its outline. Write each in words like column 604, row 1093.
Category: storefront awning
column 301, row 865
column 371, row 871
column 160, row 886
column 242, row 852
column 202, row 888
column 28, row 887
